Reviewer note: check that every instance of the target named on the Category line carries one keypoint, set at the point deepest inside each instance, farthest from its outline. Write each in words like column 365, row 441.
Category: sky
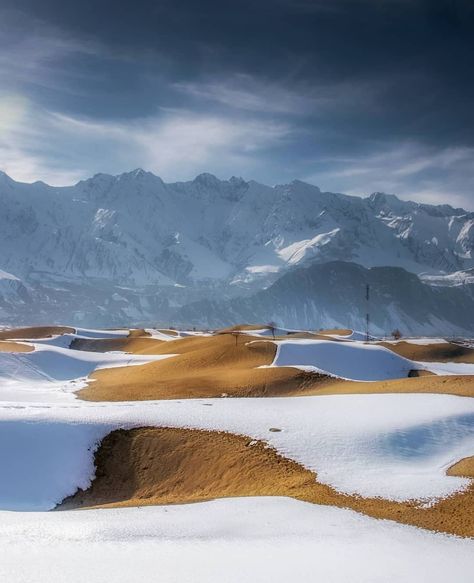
column 354, row 96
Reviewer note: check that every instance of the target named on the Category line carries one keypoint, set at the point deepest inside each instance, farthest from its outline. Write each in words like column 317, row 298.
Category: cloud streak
column 175, row 144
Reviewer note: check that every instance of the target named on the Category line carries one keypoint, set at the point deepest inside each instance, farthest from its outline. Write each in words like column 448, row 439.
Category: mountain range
column 132, row 249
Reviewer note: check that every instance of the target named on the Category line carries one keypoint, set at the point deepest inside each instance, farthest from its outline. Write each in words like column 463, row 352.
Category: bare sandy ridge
column 167, row 465
column 134, row 344
column 211, row 366
column 460, row 385
column 463, row 469
column 227, row 364
column 439, row 352
column 7, row 346
column 33, row 332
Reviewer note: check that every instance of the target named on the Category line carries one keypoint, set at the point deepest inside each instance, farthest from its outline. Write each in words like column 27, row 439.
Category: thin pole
column 367, row 322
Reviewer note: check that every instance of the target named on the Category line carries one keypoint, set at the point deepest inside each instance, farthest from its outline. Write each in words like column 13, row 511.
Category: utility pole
column 367, row 320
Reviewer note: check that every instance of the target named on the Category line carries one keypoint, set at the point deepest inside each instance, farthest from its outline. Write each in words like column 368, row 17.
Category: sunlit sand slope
column 168, row 465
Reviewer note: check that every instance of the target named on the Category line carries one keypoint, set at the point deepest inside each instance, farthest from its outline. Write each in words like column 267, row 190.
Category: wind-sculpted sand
column 228, row 364
column 34, row 332
column 146, row 466
column 463, row 469
column 8, row 346
column 134, row 344
column 436, row 352
column 213, row 366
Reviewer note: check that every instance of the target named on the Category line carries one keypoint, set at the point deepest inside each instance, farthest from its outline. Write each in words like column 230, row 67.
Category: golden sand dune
column 227, row 365
column 7, row 346
column 134, row 344
column 162, row 465
column 33, row 332
column 462, row 385
column 439, row 352
column 463, row 469
column 211, row 366
column 335, row 332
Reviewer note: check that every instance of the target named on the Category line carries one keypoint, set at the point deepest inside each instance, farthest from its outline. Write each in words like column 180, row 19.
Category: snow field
column 226, row 541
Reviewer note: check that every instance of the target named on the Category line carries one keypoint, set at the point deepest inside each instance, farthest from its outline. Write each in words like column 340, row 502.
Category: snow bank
column 51, row 374
column 347, row 360
column 49, row 362
column 236, row 540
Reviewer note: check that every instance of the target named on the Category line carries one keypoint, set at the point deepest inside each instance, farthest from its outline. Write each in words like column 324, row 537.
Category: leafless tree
column 396, row 334
column 272, row 327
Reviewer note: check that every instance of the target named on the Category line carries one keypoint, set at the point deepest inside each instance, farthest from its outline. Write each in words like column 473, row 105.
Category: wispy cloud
column 37, row 144
column 410, row 170
column 282, row 96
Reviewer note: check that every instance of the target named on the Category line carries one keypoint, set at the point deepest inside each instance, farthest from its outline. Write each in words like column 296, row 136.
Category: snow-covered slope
column 136, row 247
column 234, row 540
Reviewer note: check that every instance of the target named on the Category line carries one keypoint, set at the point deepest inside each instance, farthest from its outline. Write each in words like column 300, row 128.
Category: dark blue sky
column 353, row 95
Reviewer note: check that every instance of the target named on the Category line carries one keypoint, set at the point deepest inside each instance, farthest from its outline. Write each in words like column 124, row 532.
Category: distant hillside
column 334, row 295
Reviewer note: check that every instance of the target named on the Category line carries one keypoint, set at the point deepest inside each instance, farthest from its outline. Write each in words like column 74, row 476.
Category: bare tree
column 236, row 334
column 272, row 327
column 396, row 334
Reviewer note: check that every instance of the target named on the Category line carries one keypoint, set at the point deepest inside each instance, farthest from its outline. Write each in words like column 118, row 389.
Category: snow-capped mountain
column 132, row 246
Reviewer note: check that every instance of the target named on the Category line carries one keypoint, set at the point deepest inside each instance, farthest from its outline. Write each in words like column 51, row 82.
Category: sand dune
column 228, row 364
column 167, row 465
column 336, row 332
column 213, row 366
column 134, row 344
column 463, row 469
column 33, row 332
column 462, row 386
column 438, row 352
column 6, row 346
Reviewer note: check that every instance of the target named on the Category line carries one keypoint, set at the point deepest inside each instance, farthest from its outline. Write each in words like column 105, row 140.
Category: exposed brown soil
column 6, row 346
column 33, row 332
column 163, row 465
column 445, row 352
column 213, row 366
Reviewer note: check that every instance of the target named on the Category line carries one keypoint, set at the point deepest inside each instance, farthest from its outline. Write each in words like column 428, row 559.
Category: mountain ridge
column 133, row 236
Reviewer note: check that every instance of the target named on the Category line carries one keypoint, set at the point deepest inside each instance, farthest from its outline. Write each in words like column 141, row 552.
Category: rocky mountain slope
column 333, row 295
column 133, row 248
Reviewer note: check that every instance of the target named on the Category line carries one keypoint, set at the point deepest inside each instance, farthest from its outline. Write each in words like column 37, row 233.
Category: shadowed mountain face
column 131, row 248
column 334, row 295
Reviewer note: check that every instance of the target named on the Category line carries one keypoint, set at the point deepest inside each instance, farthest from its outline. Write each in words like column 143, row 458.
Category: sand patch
column 6, row 346
column 461, row 385
column 335, row 332
column 213, row 366
column 439, row 352
column 463, row 468
column 134, row 344
column 138, row 333
column 227, row 365
column 167, row 465
column 34, row 332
